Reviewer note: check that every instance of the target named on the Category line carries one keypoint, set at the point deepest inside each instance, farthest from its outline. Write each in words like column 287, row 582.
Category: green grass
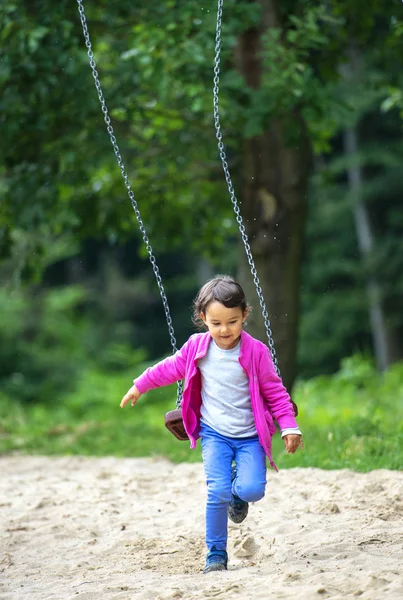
column 353, row 419
column 90, row 422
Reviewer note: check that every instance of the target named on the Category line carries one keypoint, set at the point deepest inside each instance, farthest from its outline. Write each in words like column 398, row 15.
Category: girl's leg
column 250, row 481
column 217, row 453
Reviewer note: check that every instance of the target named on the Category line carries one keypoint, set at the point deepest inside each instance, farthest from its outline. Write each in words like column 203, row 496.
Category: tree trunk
column 384, row 343
column 365, row 243
column 274, row 185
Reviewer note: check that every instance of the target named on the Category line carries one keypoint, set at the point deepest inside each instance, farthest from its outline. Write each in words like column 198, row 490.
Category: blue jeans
column 218, row 452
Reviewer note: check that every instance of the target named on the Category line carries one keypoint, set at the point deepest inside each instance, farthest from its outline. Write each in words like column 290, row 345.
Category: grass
column 353, row 419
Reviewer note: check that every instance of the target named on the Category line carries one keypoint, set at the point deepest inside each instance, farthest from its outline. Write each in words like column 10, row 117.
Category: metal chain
column 234, row 200
column 129, row 189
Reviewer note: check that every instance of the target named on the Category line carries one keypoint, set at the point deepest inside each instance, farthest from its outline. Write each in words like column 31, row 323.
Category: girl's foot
column 237, row 509
column 216, row 560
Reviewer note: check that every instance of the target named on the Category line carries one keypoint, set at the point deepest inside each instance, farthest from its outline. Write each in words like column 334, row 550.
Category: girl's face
column 224, row 324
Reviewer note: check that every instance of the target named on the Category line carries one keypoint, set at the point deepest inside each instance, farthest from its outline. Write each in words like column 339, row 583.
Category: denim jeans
column 218, row 452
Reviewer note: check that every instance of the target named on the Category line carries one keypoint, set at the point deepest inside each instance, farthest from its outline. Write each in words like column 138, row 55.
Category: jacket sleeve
column 165, row 372
column 274, row 393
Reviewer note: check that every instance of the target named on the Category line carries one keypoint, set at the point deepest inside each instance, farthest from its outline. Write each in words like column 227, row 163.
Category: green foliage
column 291, row 84
column 333, row 296
column 353, row 419
column 46, row 338
column 350, row 420
column 40, row 355
column 88, row 421
column 42, row 126
column 60, row 179
column 60, row 184
column 334, row 299
column 333, row 303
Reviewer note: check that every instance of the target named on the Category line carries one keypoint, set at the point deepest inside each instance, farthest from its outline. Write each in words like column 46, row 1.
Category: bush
column 48, row 337
column 351, row 419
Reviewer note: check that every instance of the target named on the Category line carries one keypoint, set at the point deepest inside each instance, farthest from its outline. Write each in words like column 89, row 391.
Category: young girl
column 231, row 395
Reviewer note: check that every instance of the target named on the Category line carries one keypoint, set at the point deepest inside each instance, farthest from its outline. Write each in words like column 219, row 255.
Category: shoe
column 237, row 508
column 216, row 560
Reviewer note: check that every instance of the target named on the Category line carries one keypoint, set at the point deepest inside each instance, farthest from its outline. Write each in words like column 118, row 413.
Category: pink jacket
column 269, row 398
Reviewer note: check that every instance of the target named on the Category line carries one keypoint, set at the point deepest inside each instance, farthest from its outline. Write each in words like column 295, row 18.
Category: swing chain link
column 227, row 174
column 237, row 211
column 130, row 192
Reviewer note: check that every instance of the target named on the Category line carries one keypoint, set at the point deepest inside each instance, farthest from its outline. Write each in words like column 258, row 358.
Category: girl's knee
column 252, row 491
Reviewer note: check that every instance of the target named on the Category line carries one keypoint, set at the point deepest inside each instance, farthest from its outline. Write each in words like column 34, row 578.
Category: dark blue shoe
column 216, row 560
column 237, row 508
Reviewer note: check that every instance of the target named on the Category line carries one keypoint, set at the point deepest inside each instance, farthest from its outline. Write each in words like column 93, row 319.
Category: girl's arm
column 279, row 403
column 163, row 373
column 274, row 392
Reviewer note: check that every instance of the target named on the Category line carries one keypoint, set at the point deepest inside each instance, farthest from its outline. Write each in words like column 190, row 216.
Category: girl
column 231, row 395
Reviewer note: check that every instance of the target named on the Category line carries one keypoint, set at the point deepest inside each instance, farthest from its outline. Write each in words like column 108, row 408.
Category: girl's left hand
column 292, row 442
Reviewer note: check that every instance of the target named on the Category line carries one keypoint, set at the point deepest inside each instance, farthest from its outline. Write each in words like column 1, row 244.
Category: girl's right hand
column 132, row 395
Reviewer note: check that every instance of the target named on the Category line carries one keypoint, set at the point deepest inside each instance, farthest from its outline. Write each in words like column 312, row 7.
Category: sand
column 122, row 529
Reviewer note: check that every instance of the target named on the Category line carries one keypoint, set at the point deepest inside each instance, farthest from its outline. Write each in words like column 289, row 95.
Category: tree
column 362, row 86
column 280, row 65
column 365, row 236
column 276, row 166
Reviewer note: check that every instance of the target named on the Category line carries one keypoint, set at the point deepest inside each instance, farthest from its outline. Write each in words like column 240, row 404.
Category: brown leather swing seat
column 174, row 424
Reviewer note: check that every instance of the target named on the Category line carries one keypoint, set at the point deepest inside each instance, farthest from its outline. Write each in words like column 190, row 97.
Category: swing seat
column 174, row 424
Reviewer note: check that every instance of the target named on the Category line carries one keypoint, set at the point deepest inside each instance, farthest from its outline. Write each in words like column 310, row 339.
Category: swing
column 173, row 419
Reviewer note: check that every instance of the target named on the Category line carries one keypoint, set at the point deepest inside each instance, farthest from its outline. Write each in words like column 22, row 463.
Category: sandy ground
column 118, row 529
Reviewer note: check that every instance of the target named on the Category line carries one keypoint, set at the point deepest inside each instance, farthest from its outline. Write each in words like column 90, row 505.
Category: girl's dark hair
column 222, row 289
